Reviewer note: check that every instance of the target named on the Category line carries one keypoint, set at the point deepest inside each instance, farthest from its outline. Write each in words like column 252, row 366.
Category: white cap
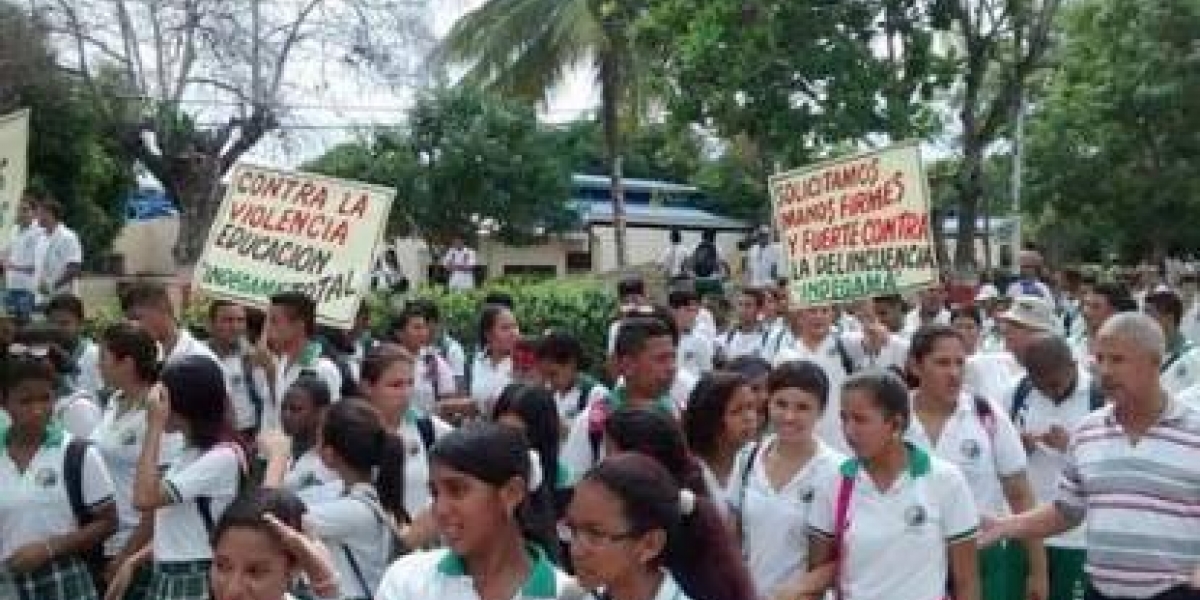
column 1032, row 312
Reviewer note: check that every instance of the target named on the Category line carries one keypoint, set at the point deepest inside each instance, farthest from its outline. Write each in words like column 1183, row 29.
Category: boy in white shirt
column 460, row 262
column 62, row 255
column 1181, row 367
column 65, row 311
column 748, row 336
column 20, row 264
column 696, row 348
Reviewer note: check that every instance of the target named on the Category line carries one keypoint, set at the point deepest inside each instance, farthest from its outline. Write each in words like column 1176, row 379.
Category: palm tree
column 524, row 48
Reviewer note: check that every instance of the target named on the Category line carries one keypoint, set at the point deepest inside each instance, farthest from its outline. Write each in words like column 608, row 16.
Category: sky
column 328, row 108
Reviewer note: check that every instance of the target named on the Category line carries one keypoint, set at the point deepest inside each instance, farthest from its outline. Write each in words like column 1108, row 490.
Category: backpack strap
column 73, row 478
column 256, row 399
column 204, row 507
column 426, row 432
column 739, row 512
column 841, row 522
column 431, row 363
column 586, row 385
column 843, row 354
column 987, row 417
column 1020, row 399
column 358, row 574
column 204, row 503
column 1096, row 398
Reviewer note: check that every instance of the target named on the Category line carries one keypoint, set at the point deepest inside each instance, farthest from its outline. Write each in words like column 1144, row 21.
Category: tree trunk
column 970, row 189
column 610, row 80
column 197, row 185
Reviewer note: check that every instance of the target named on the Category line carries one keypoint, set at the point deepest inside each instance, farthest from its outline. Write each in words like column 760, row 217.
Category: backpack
column 1020, row 400
column 843, row 354
column 396, row 545
column 705, row 261
column 73, row 463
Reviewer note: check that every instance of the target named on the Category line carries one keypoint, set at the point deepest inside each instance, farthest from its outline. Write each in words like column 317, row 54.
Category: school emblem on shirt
column 807, row 497
column 129, row 438
column 309, row 480
column 970, row 449
column 915, row 515
column 411, row 447
column 46, row 478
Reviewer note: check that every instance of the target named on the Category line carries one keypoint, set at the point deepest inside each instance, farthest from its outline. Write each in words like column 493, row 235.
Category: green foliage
column 796, row 77
column 1113, row 145
column 583, row 307
column 654, row 151
column 71, row 155
column 465, row 160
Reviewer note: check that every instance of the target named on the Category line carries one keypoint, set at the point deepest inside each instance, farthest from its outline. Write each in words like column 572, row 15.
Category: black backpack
column 705, row 262
column 73, row 463
column 1020, row 400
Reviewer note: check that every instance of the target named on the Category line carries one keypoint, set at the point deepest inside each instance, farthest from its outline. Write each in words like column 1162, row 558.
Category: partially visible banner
column 856, row 227
column 284, row 230
column 14, row 169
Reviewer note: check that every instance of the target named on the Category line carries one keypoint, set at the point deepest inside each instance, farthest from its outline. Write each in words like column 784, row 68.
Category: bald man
column 1131, row 469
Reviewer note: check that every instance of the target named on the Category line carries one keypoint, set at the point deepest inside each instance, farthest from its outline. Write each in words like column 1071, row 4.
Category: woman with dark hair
column 259, row 550
column 43, row 544
column 129, row 367
column 199, row 483
column 895, row 523
column 491, row 368
column 774, row 481
column 756, row 371
column 978, row 436
column 369, row 461
column 635, row 534
column 721, row 417
column 530, row 409
column 657, row 435
column 482, row 477
column 387, row 383
column 301, row 414
column 967, row 321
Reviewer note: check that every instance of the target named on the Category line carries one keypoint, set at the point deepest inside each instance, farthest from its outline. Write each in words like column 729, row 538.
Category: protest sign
column 856, row 228
column 281, row 230
column 14, row 143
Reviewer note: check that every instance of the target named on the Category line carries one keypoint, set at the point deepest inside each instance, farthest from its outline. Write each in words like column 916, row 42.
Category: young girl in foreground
column 896, row 523
column 481, row 476
column 637, row 535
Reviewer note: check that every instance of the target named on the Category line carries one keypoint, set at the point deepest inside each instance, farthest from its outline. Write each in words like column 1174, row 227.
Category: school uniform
column 78, row 413
column 310, row 479
column 452, row 352
column 695, row 352
column 986, row 448
column 186, row 345
column 488, row 380
column 287, row 371
column 1065, row 553
column 354, row 528
column 584, row 446
column 913, row 321
column 667, row 590
column 582, row 394
column 443, row 575
column 118, row 438
column 86, row 358
column 416, row 461
column 201, row 484
column 34, row 507
column 894, row 543
column 774, row 522
column 1181, row 367
column 992, row 374
column 433, row 378
column 249, row 392
column 740, row 342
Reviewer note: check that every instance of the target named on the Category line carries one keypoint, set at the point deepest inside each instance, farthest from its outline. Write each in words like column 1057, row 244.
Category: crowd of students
column 784, row 453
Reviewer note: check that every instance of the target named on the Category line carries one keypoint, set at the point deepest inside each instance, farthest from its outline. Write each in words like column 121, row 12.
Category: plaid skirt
column 180, row 581
column 63, row 579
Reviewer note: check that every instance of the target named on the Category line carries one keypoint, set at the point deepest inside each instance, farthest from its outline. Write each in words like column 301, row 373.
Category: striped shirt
column 1142, row 500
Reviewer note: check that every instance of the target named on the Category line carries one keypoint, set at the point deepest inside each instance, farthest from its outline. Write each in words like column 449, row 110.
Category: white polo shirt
column 354, row 522
column 992, row 374
column 570, row 401
column 87, row 364
column 737, row 343
column 695, row 352
column 180, row 534
column 78, row 412
column 239, row 382
column 34, row 505
column 287, row 371
column 579, row 453
column 775, row 521
column 443, row 575
column 452, row 352
column 22, row 253
column 416, row 462
column 983, row 456
column 1046, row 465
column 488, row 379
column 119, row 438
column 460, row 257
column 428, row 369
column 62, row 249
column 1181, row 369
column 187, row 345
column 311, row 480
column 895, row 543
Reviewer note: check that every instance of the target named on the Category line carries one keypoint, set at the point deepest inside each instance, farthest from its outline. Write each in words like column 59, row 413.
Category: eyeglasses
column 28, row 351
column 586, row 536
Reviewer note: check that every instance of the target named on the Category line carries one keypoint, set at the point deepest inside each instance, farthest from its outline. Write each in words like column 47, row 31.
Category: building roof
column 683, row 217
column 581, row 180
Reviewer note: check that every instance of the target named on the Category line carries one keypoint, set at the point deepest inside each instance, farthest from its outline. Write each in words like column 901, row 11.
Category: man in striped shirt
column 1133, row 467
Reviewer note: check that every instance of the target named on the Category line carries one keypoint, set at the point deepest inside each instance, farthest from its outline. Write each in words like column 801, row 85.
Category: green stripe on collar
column 619, row 398
column 543, row 577
column 918, row 463
column 53, row 437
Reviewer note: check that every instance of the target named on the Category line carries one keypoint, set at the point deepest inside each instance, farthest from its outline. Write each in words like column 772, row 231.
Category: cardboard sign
column 856, row 228
column 14, row 144
column 282, row 230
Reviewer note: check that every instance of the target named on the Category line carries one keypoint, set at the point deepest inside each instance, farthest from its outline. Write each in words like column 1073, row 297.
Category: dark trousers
column 1176, row 593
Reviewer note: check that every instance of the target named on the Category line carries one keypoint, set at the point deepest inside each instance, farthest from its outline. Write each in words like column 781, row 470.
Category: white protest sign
column 283, row 230
column 14, row 145
column 856, row 227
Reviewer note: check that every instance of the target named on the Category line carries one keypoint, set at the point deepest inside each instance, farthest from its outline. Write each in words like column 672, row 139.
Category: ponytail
column 700, row 552
column 353, row 430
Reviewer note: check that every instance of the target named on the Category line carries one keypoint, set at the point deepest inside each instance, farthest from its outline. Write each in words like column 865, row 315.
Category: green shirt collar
column 620, row 399
column 52, row 438
column 543, row 577
column 918, row 463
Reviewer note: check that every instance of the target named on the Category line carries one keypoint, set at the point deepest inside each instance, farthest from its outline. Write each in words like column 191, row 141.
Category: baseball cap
column 1032, row 312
